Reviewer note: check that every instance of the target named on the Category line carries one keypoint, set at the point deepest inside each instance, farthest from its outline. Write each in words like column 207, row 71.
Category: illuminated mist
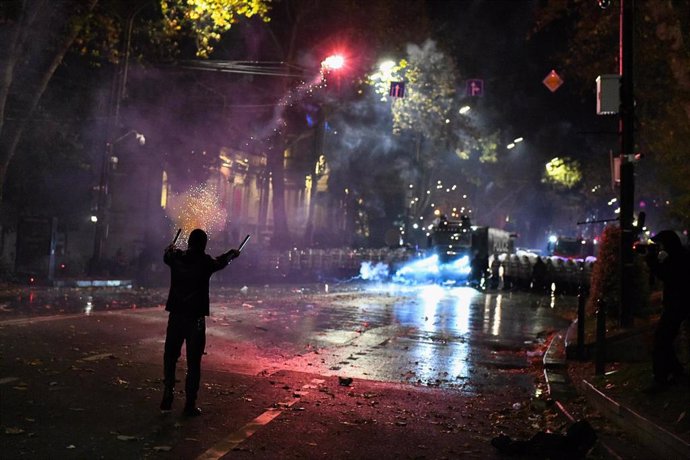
column 418, row 271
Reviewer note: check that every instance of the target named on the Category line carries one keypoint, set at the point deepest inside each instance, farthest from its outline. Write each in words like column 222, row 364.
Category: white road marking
column 139, row 312
column 233, row 440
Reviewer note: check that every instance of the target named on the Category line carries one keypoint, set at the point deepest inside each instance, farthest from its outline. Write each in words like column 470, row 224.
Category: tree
column 207, row 20
column 436, row 136
column 563, row 172
column 40, row 33
column 27, row 69
column 301, row 34
column 605, row 282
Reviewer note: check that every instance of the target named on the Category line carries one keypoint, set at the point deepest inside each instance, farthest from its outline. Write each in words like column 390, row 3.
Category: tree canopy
column 207, row 20
column 39, row 35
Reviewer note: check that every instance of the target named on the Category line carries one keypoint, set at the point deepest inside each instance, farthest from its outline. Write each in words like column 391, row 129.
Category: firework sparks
column 199, row 207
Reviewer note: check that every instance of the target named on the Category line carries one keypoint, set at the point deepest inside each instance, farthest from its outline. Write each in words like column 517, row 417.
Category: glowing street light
column 464, row 109
column 387, row 66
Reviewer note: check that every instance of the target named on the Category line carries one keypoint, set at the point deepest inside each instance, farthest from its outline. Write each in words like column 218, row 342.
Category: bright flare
column 334, row 62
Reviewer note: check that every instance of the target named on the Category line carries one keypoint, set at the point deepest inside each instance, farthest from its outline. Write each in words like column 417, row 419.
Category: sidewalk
column 630, row 423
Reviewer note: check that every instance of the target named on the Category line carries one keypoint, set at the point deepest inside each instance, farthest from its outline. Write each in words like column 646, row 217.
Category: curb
column 663, row 443
column 555, row 369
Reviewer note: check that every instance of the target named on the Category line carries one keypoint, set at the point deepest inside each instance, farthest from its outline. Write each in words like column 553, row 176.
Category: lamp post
column 627, row 167
column 100, row 218
column 333, row 63
column 117, row 94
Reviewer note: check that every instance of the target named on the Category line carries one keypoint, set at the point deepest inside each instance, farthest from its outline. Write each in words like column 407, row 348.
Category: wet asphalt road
column 450, row 340
column 428, row 334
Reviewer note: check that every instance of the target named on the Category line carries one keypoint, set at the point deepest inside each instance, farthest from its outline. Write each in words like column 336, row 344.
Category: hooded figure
column 188, row 304
column 671, row 266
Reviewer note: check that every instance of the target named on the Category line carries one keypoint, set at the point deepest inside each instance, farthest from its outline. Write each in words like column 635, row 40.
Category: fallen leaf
column 99, row 357
column 123, row 437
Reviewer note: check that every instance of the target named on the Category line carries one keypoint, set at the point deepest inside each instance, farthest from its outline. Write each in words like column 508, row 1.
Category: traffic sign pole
column 627, row 168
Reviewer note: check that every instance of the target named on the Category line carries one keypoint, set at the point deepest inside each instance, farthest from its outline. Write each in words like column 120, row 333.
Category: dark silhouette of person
column 669, row 264
column 539, row 275
column 478, row 268
column 188, row 304
column 120, row 264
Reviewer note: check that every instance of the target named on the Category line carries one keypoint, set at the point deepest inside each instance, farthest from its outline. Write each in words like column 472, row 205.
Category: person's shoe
column 166, row 402
column 190, row 410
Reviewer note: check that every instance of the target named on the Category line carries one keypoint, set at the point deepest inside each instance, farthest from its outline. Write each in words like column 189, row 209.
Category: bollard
column 600, row 360
column 581, row 301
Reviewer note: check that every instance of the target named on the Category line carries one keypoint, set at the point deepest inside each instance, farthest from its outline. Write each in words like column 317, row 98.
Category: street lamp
column 331, row 64
column 99, row 218
column 100, row 232
column 141, row 139
column 627, row 167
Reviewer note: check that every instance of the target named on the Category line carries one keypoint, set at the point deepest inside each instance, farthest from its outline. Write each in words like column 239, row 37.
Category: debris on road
column 578, row 440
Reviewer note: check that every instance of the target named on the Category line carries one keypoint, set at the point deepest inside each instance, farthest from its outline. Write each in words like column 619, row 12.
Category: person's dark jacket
column 673, row 270
column 190, row 272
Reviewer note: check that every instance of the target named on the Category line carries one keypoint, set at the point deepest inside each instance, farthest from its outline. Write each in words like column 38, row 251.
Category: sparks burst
column 199, row 207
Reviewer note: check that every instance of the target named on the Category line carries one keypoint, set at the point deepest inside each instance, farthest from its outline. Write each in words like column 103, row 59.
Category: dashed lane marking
column 38, row 319
column 233, row 440
column 61, row 317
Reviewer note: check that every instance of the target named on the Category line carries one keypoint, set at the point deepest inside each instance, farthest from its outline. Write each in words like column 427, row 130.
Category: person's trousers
column 664, row 359
column 192, row 332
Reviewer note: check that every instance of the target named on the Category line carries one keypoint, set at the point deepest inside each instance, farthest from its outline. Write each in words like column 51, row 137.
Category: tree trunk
column 281, row 234
column 281, row 238
column 10, row 136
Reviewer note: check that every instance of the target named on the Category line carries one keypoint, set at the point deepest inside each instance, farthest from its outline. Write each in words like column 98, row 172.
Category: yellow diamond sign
column 553, row 81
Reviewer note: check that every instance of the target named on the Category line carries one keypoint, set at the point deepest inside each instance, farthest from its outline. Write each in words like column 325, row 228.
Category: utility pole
column 627, row 167
column 118, row 92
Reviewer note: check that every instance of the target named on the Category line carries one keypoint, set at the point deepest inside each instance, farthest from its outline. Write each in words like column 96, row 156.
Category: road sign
column 553, row 81
column 397, row 89
column 475, row 87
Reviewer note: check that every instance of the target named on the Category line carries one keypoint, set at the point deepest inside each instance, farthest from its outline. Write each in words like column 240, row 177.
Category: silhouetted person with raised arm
column 188, row 304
